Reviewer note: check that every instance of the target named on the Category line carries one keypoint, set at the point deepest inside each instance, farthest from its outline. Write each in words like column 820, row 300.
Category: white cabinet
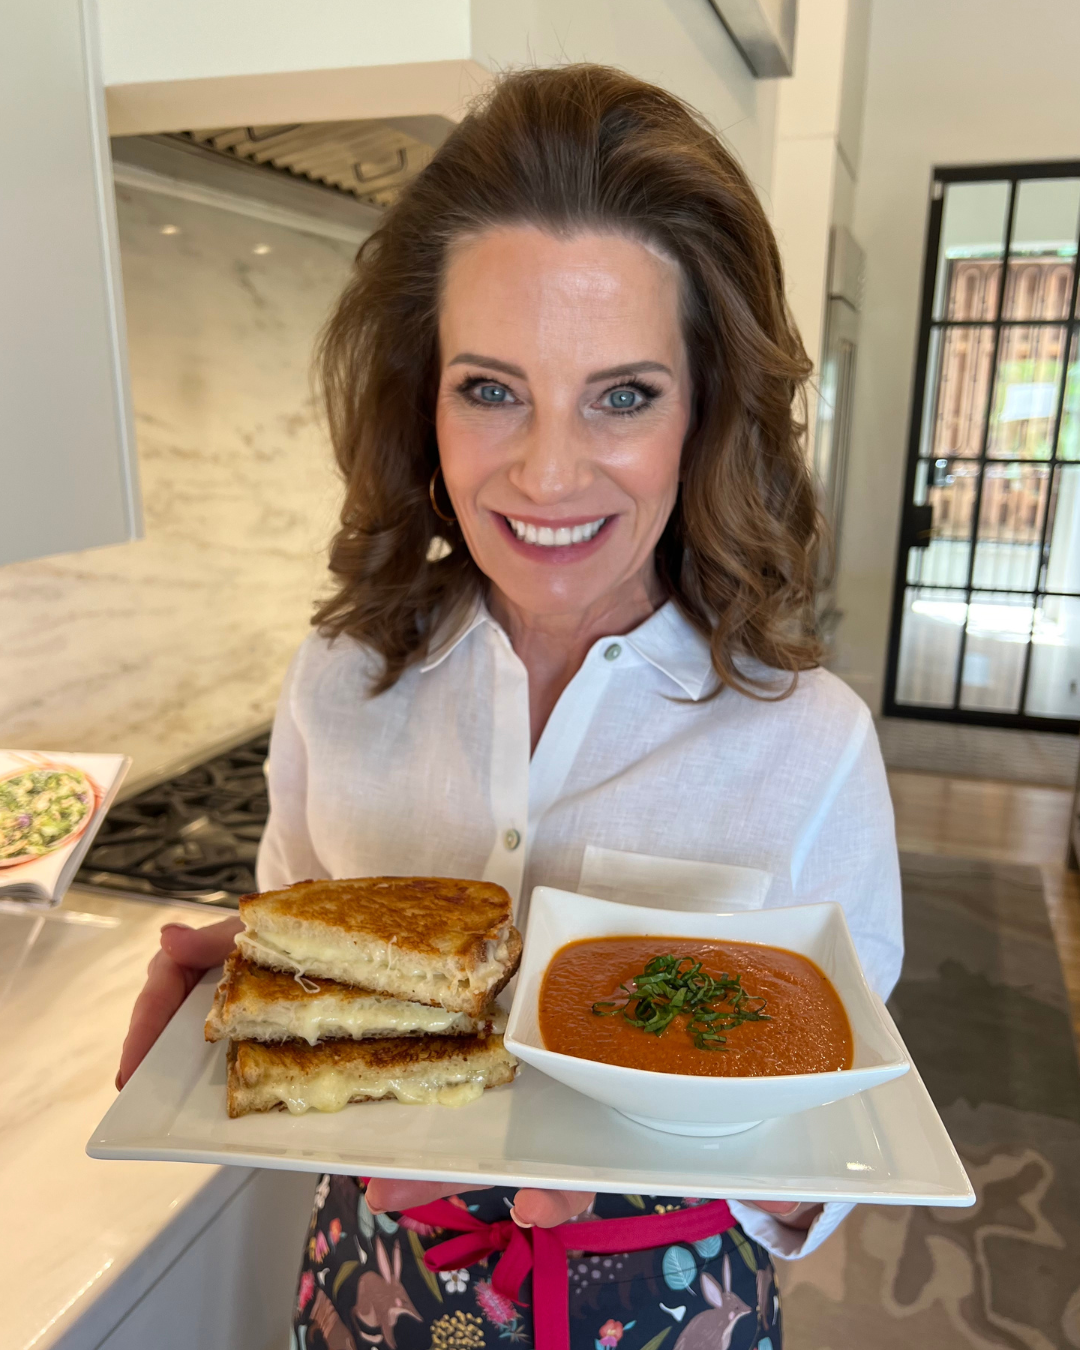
column 234, row 1286
column 67, row 449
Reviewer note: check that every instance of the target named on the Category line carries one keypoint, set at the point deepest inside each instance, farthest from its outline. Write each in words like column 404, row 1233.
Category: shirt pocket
column 671, row 883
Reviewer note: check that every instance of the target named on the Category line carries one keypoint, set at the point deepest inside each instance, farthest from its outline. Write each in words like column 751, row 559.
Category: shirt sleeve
column 286, row 852
column 847, row 853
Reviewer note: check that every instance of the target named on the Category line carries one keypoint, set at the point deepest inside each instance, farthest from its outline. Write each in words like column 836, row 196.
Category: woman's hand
column 185, row 956
column 545, row 1209
column 788, row 1212
column 539, row 1209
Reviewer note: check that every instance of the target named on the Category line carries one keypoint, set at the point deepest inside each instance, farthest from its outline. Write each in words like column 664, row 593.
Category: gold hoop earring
column 447, row 520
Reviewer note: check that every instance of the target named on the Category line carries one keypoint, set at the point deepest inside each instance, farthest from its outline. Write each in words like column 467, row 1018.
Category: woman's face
column 564, row 400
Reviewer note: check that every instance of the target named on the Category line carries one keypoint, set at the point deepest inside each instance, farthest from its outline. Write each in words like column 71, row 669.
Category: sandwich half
column 424, row 1070
column 256, row 1004
column 433, row 940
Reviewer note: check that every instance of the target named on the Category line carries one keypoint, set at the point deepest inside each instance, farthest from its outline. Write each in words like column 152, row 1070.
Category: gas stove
column 192, row 837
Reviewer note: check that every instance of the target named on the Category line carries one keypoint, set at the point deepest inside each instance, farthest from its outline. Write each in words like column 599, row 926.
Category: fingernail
column 176, row 925
column 119, row 1085
column 375, row 1209
column 520, row 1222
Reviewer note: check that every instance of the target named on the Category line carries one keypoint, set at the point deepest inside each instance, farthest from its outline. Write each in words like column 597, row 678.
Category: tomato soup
column 796, row 1022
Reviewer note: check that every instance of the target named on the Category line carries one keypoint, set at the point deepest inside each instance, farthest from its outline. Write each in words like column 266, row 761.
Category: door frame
column 940, row 176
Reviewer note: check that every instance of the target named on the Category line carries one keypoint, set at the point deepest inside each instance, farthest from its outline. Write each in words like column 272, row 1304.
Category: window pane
column 998, row 628
column 972, row 227
column 972, row 289
column 929, row 647
column 1038, row 288
column 1043, row 249
column 951, row 489
column 1011, row 512
column 1026, row 393
column 1063, row 567
column 962, row 391
column 1069, row 436
column 1054, row 679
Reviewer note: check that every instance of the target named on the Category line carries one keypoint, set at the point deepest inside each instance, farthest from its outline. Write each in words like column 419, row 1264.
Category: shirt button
column 613, row 652
column 511, row 839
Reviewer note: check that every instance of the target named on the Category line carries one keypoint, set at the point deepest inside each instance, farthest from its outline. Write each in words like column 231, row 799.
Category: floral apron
column 381, row 1280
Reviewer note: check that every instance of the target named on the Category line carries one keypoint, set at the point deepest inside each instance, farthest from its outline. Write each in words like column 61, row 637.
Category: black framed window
column 986, row 613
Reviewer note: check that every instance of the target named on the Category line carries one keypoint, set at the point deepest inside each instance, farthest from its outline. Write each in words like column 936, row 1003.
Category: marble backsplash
column 179, row 641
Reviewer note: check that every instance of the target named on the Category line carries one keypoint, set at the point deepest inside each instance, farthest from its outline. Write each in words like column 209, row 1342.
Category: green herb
column 670, row 986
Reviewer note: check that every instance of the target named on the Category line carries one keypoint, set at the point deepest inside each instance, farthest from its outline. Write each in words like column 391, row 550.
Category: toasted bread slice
column 433, row 940
column 256, row 1004
column 425, row 1070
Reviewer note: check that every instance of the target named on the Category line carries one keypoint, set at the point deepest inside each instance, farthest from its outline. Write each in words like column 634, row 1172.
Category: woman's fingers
column 172, row 974
column 791, row 1214
column 203, row 947
column 546, row 1209
column 386, row 1193
column 782, row 1209
column 167, row 985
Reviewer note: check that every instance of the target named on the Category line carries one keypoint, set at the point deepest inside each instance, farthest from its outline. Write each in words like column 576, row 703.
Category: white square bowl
column 685, row 1103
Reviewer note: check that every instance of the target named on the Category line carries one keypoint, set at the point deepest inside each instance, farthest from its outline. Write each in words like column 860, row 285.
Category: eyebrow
column 610, row 373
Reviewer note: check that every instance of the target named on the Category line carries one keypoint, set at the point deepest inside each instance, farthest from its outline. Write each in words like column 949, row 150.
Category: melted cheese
column 354, row 1019
column 331, row 1091
column 304, row 952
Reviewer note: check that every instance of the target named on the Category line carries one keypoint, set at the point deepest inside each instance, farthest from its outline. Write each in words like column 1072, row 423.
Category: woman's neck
column 553, row 646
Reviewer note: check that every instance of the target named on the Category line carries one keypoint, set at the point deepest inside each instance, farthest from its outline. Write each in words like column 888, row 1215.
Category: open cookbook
column 51, row 806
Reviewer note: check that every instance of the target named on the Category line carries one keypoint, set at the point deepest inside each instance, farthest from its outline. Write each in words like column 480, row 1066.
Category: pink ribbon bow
column 543, row 1251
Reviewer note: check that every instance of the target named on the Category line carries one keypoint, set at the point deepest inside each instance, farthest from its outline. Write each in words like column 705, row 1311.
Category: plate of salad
column 42, row 808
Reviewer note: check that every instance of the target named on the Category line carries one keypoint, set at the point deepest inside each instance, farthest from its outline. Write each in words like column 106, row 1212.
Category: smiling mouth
column 546, row 536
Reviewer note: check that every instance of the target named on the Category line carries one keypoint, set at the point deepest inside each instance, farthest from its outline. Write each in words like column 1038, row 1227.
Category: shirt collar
column 666, row 640
column 671, row 644
column 449, row 636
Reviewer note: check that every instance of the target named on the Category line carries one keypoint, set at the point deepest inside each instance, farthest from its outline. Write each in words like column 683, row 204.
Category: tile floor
column 1002, row 822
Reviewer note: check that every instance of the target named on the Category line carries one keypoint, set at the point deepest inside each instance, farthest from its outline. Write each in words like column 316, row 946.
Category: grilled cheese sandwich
column 426, row 1070
column 253, row 1003
column 432, row 940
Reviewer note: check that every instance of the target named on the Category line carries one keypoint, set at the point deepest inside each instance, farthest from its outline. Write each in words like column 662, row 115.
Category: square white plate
column 886, row 1145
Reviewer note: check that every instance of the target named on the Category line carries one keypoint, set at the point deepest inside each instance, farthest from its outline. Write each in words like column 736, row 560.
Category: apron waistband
column 543, row 1251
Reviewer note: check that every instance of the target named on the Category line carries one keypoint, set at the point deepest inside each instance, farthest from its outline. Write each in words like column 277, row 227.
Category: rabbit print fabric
column 363, row 1283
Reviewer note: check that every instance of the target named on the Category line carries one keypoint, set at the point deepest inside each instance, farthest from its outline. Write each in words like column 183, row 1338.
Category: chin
column 547, row 601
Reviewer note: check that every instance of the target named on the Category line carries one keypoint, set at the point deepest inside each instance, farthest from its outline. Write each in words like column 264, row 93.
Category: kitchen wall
column 328, row 59
column 818, row 129
column 962, row 82
column 163, row 646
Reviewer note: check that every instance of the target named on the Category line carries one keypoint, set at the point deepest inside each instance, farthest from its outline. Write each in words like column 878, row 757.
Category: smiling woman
column 582, row 288
column 572, row 613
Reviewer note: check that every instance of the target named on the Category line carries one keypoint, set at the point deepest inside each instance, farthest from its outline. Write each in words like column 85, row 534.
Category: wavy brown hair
column 576, row 148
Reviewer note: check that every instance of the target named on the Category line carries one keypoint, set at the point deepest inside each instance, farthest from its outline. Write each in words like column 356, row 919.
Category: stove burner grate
column 192, row 837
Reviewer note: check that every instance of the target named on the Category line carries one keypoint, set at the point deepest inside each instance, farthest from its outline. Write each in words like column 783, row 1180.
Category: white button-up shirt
column 640, row 788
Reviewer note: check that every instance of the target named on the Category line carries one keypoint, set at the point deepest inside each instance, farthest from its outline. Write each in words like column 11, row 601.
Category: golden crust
column 393, row 1053
column 436, row 916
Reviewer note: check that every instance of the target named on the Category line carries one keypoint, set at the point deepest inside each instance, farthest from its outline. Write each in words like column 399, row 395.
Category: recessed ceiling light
column 170, row 229
column 261, row 248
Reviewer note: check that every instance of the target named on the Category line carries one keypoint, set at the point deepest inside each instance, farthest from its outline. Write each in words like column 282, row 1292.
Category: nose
column 553, row 462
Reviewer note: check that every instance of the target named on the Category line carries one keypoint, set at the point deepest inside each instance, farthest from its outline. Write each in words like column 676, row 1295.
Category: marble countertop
column 80, row 1239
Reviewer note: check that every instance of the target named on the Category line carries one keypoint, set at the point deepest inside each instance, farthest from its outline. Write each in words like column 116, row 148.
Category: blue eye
column 492, row 393
column 622, row 399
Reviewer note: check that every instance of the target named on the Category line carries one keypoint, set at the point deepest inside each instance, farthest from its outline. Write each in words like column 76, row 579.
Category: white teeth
column 547, row 537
